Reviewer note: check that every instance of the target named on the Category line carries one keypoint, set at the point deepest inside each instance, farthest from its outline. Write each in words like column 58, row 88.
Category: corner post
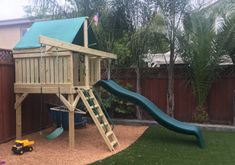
column 18, row 119
column 85, row 31
column 86, row 60
column 98, row 69
column 71, row 123
column 109, row 69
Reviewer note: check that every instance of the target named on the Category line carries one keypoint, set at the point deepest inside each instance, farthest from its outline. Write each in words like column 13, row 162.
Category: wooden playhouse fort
column 54, row 57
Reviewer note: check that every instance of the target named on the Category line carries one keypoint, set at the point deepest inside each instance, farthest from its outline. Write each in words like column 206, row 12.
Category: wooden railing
column 55, row 68
column 94, row 65
column 61, row 67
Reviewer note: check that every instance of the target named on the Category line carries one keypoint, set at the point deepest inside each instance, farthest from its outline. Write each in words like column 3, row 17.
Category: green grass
column 159, row 146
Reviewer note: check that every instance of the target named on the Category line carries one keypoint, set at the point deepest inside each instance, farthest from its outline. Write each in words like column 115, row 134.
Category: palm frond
column 199, row 49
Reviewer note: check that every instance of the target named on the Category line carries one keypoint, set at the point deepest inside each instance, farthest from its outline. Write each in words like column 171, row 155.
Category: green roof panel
column 66, row 30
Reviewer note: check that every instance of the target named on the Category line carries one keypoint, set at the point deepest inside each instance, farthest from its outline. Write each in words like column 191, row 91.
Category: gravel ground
column 90, row 147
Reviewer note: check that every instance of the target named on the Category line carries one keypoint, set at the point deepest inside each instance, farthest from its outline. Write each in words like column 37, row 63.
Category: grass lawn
column 158, row 146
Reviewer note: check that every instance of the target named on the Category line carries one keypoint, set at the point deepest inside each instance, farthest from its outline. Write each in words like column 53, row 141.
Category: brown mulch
column 90, row 147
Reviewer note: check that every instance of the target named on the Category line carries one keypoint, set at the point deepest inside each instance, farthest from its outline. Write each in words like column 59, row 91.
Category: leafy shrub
column 200, row 115
column 116, row 105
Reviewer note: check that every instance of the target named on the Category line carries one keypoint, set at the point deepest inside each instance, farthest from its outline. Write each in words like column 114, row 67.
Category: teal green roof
column 67, row 30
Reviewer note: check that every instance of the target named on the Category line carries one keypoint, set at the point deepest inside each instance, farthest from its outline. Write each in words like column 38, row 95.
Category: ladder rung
column 90, row 98
column 84, row 90
column 109, row 133
column 86, row 93
column 103, row 124
column 113, row 143
column 100, row 115
column 88, row 90
column 94, row 106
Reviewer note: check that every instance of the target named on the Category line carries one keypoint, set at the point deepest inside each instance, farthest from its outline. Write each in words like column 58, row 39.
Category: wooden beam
column 71, row 124
column 20, row 99
column 68, row 104
column 35, row 50
column 86, row 71
column 18, row 122
column 76, row 101
column 85, row 32
column 18, row 118
column 75, row 48
column 65, row 102
column 98, row 69
column 38, row 55
column 44, row 88
column 86, row 60
column 109, row 69
column 75, row 68
column 48, row 48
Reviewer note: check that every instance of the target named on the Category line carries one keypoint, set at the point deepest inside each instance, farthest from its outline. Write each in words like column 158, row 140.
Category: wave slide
column 162, row 118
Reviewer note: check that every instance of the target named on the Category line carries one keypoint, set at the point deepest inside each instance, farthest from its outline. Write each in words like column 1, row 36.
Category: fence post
column 234, row 107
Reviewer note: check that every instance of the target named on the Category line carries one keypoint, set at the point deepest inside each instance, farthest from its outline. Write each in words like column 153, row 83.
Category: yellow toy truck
column 22, row 146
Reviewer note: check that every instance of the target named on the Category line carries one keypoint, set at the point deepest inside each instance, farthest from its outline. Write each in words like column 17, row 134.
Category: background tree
column 140, row 38
column 172, row 10
column 201, row 52
column 227, row 36
column 64, row 9
column 223, row 10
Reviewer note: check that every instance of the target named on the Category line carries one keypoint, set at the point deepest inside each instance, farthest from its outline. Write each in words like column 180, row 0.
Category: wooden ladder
column 98, row 117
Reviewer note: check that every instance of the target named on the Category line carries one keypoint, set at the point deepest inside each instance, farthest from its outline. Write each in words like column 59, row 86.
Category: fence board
column 154, row 87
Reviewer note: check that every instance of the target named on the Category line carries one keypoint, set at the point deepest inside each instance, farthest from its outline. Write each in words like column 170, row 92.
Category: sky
column 10, row 9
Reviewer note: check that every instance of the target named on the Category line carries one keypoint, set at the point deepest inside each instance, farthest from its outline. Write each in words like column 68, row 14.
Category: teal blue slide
column 162, row 118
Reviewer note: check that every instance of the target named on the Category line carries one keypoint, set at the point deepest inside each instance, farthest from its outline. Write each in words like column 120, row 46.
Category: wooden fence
column 154, row 87
column 7, row 114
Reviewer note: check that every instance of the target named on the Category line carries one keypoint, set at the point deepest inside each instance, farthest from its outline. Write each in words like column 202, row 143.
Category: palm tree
column 227, row 36
column 201, row 52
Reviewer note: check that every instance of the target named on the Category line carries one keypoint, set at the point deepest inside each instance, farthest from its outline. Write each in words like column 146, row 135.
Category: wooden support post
column 86, row 71
column 71, row 124
column 66, row 103
column 85, row 31
column 76, row 101
column 109, row 68
column 98, row 69
column 234, row 107
column 18, row 119
column 20, row 99
column 86, row 60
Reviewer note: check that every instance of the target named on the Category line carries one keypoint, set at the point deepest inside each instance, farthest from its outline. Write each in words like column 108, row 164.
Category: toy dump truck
column 22, row 146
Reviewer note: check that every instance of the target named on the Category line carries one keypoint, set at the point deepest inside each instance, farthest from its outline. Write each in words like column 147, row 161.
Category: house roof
column 155, row 60
column 17, row 21
column 66, row 30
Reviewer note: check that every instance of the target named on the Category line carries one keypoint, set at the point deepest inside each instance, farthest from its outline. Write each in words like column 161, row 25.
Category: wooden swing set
column 68, row 71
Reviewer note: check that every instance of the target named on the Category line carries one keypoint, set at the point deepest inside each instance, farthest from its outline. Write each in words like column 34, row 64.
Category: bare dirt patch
column 90, row 147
